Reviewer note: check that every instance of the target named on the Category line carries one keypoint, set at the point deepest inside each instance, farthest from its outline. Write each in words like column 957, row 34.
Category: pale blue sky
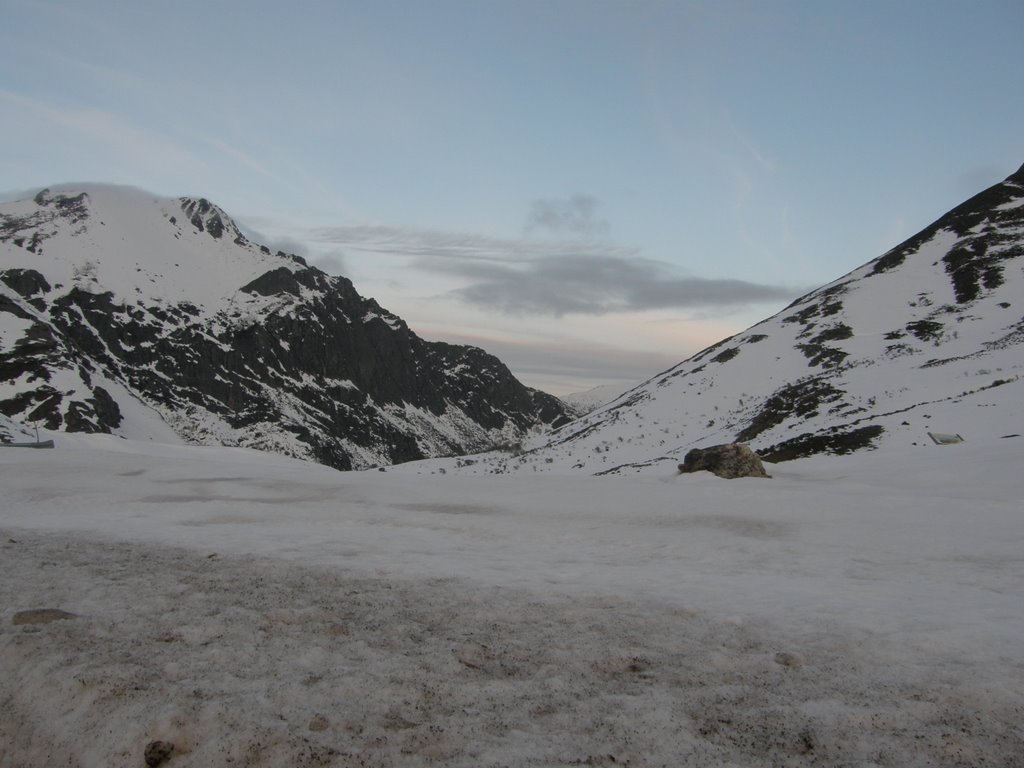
column 592, row 190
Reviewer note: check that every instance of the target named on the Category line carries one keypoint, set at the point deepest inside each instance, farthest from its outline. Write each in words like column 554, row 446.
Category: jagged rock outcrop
column 114, row 303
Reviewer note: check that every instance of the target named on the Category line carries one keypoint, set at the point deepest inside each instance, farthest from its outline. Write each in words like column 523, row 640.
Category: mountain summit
column 927, row 338
column 157, row 318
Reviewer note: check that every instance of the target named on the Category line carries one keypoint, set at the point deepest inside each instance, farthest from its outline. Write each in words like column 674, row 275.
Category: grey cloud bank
column 597, row 285
column 553, row 277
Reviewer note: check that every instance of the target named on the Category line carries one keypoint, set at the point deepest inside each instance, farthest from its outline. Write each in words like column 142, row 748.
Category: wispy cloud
column 8, row 195
column 72, row 127
column 332, row 262
column 575, row 217
column 242, row 158
column 552, row 277
column 748, row 149
column 433, row 248
column 108, row 77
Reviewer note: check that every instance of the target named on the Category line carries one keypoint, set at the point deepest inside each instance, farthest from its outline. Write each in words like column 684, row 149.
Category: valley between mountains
column 498, row 579
column 158, row 319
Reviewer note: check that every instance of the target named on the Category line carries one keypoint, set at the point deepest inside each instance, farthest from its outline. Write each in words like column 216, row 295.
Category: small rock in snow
column 787, row 659
column 41, row 616
column 157, row 752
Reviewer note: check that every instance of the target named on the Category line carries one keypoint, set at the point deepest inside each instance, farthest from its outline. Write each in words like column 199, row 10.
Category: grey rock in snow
column 41, row 616
column 729, row 461
column 157, row 753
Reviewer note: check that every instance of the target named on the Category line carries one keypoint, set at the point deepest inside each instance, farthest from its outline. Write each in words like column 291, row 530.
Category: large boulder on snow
column 729, row 460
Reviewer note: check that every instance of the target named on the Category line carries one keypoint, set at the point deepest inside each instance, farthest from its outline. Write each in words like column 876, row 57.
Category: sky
column 593, row 190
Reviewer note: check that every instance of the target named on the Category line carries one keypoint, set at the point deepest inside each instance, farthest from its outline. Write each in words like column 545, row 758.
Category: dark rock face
column 26, row 282
column 729, row 461
column 967, row 260
column 315, row 370
column 204, row 216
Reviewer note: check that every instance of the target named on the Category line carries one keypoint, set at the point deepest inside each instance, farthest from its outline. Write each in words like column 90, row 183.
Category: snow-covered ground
column 252, row 610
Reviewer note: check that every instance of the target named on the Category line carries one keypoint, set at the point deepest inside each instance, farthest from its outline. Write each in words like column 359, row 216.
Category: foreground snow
column 865, row 610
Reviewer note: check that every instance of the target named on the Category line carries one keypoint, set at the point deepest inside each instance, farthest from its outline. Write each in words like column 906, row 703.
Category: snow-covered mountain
column 595, row 397
column 157, row 318
column 927, row 338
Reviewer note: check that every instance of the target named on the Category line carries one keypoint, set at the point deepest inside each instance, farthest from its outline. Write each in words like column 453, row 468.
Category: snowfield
column 259, row 611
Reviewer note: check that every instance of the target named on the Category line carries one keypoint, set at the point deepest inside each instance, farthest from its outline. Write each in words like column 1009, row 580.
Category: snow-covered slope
column 156, row 318
column 106, row 238
column 253, row 610
column 927, row 338
column 12, row 432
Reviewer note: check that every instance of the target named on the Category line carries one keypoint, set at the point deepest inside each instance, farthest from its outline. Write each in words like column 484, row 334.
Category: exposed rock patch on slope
column 124, row 313
column 929, row 336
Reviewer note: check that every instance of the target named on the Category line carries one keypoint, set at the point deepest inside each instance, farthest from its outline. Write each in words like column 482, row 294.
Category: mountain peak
column 207, row 217
column 156, row 318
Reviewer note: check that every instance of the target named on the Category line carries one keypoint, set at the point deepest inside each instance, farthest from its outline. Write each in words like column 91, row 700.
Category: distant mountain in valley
column 590, row 399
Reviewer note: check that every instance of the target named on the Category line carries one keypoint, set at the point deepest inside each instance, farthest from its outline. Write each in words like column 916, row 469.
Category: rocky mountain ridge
column 927, row 338
column 152, row 318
